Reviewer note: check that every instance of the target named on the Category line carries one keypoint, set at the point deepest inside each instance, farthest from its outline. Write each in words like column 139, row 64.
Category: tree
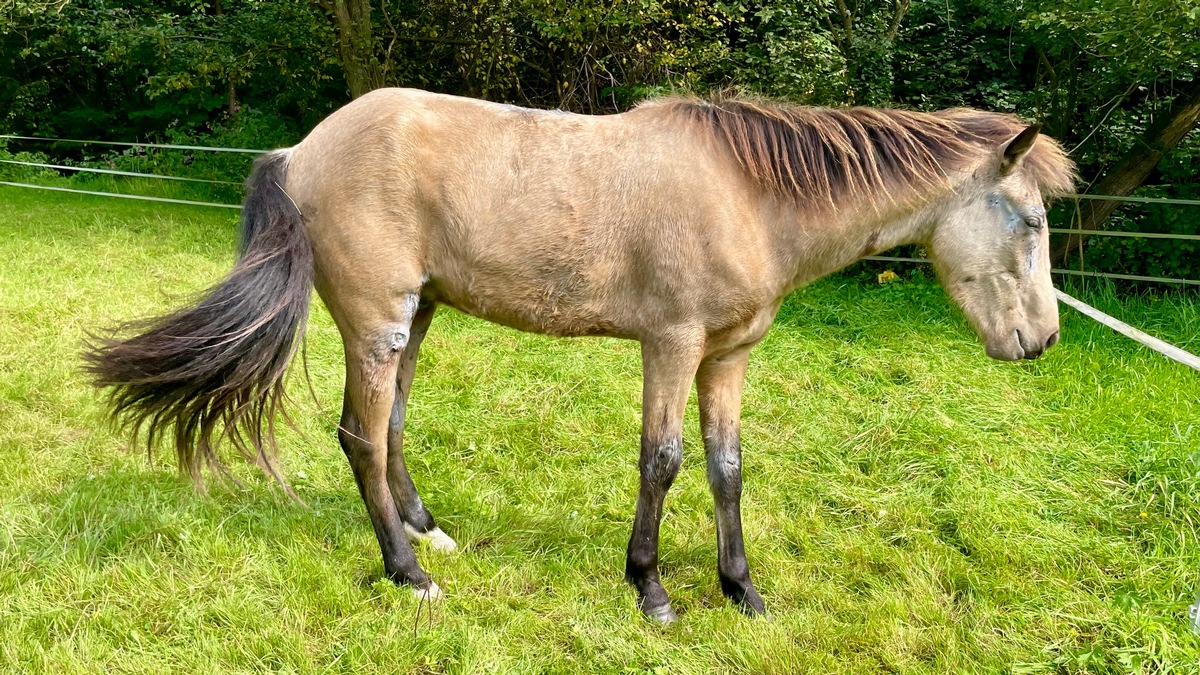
column 357, row 44
column 864, row 34
column 1165, row 133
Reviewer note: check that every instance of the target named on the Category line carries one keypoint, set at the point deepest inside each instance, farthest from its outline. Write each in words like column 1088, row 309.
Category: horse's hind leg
column 719, row 389
column 418, row 522
column 667, row 371
column 375, row 328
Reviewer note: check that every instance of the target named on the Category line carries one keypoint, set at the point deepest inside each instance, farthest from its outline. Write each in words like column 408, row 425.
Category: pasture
column 910, row 505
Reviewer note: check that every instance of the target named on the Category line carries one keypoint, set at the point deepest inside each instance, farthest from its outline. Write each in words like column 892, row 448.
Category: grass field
column 910, row 506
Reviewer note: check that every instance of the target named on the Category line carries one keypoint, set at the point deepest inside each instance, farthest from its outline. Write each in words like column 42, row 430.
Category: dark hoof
column 661, row 614
column 420, row 580
column 652, row 599
column 751, row 604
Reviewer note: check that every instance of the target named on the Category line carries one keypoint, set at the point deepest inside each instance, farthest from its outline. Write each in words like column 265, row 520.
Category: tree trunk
column 841, row 28
column 219, row 9
column 1165, row 133
column 356, row 44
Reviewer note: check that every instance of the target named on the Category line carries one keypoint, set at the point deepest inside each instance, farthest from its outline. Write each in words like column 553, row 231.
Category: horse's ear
column 1015, row 149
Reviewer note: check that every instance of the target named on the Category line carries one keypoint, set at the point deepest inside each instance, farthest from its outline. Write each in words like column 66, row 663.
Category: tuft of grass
column 910, row 505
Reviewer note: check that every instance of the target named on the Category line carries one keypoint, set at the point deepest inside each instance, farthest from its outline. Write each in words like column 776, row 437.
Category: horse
column 682, row 224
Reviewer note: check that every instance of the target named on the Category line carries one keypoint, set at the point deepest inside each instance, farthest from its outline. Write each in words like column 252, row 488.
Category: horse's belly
column 535, row 306
column 552, row 321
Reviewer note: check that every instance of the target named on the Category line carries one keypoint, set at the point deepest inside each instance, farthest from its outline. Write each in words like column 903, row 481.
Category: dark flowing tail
column 215, row 370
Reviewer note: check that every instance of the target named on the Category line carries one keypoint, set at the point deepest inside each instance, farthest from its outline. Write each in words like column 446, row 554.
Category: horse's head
column 991, row 248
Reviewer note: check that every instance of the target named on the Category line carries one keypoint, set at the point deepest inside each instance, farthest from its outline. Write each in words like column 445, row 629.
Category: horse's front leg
column 719, row 388
column 667, row 371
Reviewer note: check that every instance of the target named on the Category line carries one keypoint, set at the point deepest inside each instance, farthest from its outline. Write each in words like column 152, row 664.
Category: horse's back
column 542, row 220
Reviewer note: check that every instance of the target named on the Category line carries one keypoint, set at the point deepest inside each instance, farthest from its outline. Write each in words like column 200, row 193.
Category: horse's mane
column 827, row 155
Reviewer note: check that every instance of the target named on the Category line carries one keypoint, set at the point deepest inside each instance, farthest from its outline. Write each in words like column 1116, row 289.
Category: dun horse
column 681, row 224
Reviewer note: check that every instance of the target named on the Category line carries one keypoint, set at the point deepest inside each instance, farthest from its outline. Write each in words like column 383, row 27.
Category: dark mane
column 825, row 155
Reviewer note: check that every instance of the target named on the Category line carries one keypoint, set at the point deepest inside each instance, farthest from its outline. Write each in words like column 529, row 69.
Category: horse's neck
column 811, row 246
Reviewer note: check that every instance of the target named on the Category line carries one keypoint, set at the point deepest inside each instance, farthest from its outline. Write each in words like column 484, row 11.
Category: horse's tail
column 216, row 369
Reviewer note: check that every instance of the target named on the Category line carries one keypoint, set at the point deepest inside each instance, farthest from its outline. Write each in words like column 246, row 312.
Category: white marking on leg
column 431, row 592
column 437, row 540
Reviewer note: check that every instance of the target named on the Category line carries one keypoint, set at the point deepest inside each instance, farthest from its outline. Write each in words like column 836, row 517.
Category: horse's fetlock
column 735, row 571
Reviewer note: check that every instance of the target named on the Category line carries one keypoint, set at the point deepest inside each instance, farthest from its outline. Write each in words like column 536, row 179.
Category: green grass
column 910, row 505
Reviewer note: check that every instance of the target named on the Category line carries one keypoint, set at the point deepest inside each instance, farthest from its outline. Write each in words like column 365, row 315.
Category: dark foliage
column 1095, row 73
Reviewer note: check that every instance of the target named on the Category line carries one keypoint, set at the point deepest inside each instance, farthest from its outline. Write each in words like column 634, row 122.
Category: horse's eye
column 1034, row 222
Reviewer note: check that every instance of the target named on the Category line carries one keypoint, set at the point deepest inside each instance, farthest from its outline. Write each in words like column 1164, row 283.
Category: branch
column 1116, row 101
column 1046, row 61
column 1163, row 134
column 847, row 19
column 901, row 10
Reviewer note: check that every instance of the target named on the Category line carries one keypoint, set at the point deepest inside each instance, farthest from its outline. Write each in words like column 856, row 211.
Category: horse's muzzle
column 1020, row 345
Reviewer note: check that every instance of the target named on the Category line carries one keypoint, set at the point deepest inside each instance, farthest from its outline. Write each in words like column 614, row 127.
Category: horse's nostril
column 1027, row 352
column 1052, row 340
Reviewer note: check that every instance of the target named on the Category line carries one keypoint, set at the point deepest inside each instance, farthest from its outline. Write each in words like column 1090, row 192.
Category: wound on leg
column 379, row 368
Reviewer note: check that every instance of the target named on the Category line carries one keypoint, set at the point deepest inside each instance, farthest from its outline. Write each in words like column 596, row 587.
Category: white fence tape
column 121, row 196
column 117, row 172
column 1165, row 348
column 166, row 146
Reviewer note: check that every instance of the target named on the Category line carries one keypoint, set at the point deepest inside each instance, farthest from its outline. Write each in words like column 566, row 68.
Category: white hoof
column 430, row 593
column 437, row 540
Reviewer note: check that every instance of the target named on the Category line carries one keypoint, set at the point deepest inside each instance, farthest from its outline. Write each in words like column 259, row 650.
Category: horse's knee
column 661, row 461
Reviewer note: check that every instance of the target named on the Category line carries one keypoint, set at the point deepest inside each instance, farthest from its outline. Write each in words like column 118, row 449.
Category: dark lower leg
column 719, row 385
column 659, row 464
column 725, row 481
column 368, row 461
